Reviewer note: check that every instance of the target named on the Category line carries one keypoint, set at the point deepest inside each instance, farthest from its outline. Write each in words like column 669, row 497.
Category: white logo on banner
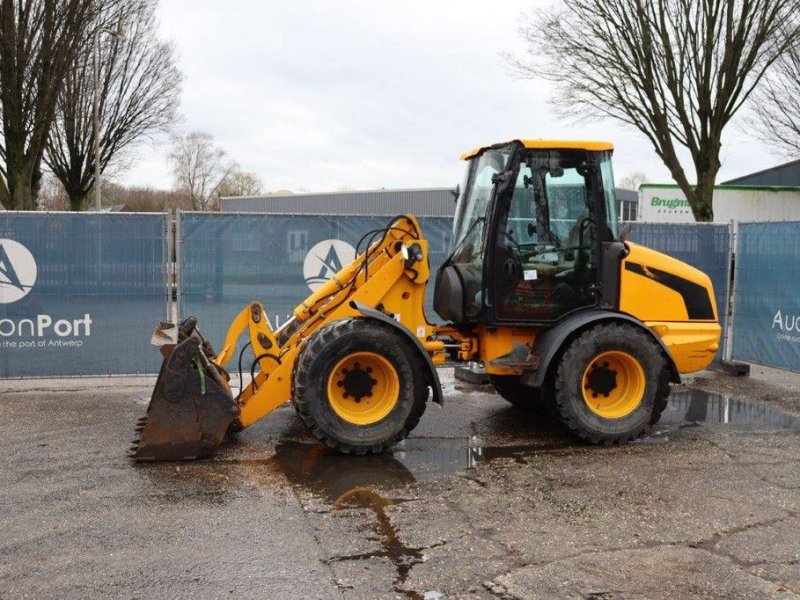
column 17, row 271
column 324, row 260
column 787, row 324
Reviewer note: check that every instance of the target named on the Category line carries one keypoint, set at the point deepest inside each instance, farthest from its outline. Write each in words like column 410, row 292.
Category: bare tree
column 52, row 195
column 139, row 89
column 144, row 199
column 632, row 180
column 777, row 106
column 677, row 70
column 199, row 167
column 39, row 40
column 240, row 183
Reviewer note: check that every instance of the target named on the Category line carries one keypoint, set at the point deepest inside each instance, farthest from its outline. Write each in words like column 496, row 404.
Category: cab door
column 543, row 263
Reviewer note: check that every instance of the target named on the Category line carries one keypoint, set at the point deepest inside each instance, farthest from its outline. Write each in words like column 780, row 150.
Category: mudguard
column 435, row 384
column 550, row 342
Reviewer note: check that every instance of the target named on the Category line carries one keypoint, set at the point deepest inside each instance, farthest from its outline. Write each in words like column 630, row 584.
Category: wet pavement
column 482, row 501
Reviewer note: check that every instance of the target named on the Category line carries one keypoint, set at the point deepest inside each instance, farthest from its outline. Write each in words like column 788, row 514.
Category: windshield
column 466, row 252
column 476, row 192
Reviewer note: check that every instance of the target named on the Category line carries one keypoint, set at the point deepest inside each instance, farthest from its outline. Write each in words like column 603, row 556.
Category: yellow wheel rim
column 613, row 384
column 363, row 388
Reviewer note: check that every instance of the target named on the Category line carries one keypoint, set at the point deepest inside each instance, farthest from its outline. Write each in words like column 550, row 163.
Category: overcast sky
column 318, row 95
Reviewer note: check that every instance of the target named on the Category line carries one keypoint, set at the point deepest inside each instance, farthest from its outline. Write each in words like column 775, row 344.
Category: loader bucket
column 191, row 407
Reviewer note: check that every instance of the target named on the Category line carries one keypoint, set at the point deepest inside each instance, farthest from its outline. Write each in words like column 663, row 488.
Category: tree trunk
column 77, row 201
column 77, row 195
column 20, row 183
column 703, row 205
column 700, row 196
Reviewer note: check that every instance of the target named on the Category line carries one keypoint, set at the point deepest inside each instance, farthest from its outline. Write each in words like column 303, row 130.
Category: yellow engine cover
column 676, row 301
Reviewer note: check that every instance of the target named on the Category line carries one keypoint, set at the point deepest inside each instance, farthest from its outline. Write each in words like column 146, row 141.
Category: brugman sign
column 669, row 203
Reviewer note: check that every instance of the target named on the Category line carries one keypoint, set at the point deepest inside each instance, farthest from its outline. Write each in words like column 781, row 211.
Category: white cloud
column 317, row 95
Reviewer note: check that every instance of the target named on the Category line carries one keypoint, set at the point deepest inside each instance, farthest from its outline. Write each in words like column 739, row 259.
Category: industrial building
column 422, row 202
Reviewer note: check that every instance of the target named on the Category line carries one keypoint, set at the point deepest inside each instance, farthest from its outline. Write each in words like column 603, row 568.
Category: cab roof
column 592, row 146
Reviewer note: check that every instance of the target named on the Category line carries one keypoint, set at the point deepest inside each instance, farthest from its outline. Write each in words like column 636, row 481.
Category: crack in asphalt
column 707, row 545
column 402, row 557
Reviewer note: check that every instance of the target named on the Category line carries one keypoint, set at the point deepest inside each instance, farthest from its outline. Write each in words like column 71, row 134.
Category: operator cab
column 532, row 221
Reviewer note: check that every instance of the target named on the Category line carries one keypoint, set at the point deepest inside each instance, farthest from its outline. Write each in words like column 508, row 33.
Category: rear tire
column 611, row 384
column 357, row 386
column 511, row 389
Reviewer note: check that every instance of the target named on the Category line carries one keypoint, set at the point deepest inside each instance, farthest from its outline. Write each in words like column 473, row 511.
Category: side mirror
column 584, row 168
column 456, row 192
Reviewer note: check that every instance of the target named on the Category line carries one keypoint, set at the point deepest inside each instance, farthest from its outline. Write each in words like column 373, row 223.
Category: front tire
column 611, row 384
column 356, row 388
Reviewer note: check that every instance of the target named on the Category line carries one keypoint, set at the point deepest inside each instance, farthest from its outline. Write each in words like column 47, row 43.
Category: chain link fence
column 80, row 293
column 766, row 315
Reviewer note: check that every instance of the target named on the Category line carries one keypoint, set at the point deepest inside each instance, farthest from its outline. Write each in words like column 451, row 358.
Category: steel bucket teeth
column 190, row 410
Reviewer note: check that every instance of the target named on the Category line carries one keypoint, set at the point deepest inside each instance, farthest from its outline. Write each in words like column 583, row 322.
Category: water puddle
column 689, row 408
column 329, row 475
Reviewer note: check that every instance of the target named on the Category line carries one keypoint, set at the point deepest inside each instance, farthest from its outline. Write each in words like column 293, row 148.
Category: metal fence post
column 731, row 295
column 178, row 273
column 169, row 266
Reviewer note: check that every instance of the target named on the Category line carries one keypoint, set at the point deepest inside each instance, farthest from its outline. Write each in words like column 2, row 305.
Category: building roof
column 540, row 144
column 423, row 202
column 624, row 195
column 116, row 208
column 757, row 188
column 785, row 175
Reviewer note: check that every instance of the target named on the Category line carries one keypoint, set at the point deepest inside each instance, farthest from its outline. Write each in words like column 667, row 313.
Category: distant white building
column 769, row 195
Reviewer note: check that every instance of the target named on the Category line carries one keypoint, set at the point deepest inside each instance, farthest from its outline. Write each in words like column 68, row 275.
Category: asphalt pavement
column 483, row 501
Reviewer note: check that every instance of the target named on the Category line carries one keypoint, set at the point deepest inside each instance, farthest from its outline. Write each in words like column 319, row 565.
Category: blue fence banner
column 227, row 260
column 702, row 245
column 766, row 303
column 80, row 293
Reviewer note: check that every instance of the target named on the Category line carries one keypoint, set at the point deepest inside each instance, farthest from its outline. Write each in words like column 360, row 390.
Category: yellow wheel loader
column 539, row 287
